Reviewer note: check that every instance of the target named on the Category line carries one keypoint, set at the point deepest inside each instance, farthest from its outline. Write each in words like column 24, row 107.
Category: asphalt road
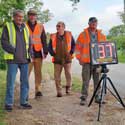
column 116, row 74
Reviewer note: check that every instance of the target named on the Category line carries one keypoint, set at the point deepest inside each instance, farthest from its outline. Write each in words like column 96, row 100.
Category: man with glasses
column 61, row 47
column 38, row 47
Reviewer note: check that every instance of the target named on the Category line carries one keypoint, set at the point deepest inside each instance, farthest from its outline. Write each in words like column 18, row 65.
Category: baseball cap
column 92, row 19
column 32, row 12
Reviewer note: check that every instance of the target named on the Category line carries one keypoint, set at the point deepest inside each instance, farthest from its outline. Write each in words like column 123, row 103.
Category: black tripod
column 104, row 88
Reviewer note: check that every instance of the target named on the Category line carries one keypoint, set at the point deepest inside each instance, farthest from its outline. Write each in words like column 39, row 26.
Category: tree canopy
column 117, row 31
column 7, row 7
column 6, row 10
column 122, row 16
column 117, row 34
column 75, row 1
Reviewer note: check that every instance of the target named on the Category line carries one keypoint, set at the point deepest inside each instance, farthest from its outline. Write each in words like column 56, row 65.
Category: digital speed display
column 103, row 53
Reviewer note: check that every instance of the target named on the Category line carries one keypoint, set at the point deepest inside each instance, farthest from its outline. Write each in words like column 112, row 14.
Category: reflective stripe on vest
column 12, row 39
column 68, row 37
column 36, row 36
column 82, row 49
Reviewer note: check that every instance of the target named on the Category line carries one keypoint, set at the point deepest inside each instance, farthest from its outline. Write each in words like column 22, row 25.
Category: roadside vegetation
column 2, row 96
column 117, row 34
column 48, row 68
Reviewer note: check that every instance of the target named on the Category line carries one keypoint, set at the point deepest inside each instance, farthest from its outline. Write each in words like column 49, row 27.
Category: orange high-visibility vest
column 82, row 49
column 36, row 36
column 68, row 37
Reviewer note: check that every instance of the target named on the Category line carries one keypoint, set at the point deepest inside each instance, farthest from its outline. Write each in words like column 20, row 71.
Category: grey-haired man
column 15, row 42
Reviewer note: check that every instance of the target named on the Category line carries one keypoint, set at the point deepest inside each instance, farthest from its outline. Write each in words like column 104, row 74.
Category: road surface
column 116, row 74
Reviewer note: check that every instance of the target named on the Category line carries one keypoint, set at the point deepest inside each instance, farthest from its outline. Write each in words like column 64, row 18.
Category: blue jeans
column 24, row 86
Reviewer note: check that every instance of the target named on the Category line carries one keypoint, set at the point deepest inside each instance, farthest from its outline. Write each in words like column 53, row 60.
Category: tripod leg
column 95, row 92
column 113, row 94
column 105, row 85
column 120, row 100
column 101, row 97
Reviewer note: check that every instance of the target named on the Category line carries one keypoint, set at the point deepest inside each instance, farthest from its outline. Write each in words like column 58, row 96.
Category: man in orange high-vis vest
column 90, row 34
column 39, row 48
column 61, row 47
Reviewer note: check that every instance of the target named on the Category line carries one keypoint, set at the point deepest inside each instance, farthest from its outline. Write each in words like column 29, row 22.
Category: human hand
column 44, row 56
column 81, row 63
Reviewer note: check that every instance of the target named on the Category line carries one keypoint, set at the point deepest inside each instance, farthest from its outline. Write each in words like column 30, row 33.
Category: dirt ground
column 50, row 110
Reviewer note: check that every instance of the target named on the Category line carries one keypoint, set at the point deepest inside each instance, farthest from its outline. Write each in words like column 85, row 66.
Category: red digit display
column 101, row 51
column 109, row 49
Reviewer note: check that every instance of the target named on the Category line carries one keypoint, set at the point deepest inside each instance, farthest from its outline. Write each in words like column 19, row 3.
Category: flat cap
column 32, row 12
column 92, row 19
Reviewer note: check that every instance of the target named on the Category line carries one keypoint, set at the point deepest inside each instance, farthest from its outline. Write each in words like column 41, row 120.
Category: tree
column 7, row 7
column 122, row 14
column 74, row 3
column 117, row 34
column 6, row 10
column 117, row 31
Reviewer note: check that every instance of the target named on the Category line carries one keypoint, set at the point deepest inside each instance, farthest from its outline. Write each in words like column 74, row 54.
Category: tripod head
column 104, row 69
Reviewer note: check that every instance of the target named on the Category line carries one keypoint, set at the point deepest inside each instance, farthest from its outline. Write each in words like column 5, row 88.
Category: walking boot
column 83, row 101
column 59, row 94
column 98, row 99
column 68, row 90
column 38, row 94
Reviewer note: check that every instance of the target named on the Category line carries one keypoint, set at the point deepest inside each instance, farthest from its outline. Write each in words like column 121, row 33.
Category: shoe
column 67, row 90
column 8, row 108
column 59, row 94
column 98, row 100
column 38, row 94
column 83, row 102
column 26, row 106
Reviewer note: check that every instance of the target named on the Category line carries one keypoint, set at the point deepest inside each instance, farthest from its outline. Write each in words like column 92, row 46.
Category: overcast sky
column 106, row 12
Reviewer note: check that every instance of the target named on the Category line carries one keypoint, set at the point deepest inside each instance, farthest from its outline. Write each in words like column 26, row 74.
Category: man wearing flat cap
column 90, row 34
column 38, row 47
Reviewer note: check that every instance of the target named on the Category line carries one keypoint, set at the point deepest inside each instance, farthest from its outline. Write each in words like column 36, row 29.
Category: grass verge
column 121, row 58
column 49, row 69
column 76, row 83
column 2, row 96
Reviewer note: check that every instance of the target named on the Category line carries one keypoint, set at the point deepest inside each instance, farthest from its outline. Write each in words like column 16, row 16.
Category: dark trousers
column 88, row 71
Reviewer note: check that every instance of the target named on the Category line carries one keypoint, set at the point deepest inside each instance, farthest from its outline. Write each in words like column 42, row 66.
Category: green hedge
column 2, row 61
